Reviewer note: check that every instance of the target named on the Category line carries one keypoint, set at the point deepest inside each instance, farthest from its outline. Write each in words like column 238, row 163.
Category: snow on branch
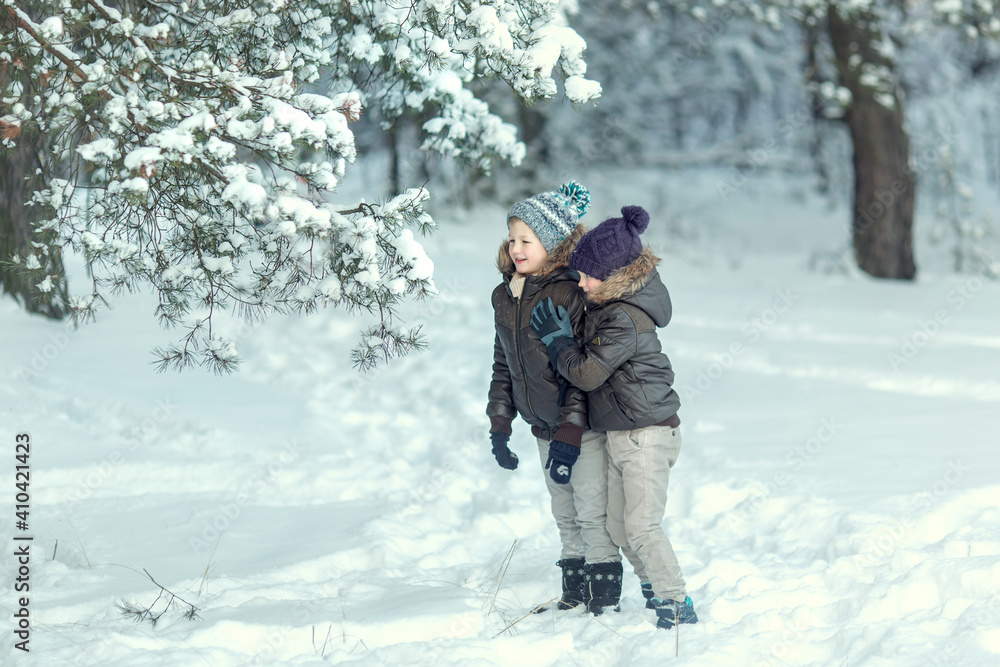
column 199, row 146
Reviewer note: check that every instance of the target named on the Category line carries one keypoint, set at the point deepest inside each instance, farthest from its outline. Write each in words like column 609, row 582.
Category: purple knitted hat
column 611, row 245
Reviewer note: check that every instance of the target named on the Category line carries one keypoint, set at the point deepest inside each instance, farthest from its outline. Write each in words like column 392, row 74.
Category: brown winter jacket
column 622, row 368
column 523, row 380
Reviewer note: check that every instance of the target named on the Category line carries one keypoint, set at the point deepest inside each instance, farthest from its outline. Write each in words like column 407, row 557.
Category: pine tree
column 39, row 289
column 195, row 147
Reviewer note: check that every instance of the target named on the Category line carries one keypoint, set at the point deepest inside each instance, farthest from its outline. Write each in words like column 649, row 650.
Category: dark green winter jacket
column 628, row 379
column 523, row 380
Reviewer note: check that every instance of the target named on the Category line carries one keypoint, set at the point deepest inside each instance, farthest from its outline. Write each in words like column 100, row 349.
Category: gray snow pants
column 639, row 469
column 580, row 506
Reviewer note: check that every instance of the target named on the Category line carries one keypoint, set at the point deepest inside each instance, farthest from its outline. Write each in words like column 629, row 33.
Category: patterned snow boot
column 604, row 587
column 669, row 612
column 574, row 585
column 647, row 592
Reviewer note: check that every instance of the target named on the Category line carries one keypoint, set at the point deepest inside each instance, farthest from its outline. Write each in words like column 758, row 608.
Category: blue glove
column 506, row 458
column 550, row 322
column 562, row 456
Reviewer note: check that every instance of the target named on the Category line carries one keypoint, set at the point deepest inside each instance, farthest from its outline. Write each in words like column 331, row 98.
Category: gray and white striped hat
column 553, row 215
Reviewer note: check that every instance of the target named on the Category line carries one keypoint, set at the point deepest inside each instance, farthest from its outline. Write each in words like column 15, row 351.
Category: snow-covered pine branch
column 196, row 145
column 977, row 17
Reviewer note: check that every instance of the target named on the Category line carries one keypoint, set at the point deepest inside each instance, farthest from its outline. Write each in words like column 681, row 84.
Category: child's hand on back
column 550, row 322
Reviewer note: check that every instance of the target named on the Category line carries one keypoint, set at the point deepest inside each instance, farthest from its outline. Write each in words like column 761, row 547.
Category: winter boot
column 669, row 612
column 604, row 586
column 574, row 585
column 647, row 592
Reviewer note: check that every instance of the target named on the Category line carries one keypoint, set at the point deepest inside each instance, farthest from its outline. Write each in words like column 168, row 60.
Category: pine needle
column 208, row 567
column 75, row 534
column 498, row 580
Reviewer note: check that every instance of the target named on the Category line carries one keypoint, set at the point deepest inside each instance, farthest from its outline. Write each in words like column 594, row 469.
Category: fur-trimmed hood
column 557, row 259
column 639, row 284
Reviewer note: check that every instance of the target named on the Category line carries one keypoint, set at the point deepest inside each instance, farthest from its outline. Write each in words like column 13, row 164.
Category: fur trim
column 557, row 259
column 626, row 280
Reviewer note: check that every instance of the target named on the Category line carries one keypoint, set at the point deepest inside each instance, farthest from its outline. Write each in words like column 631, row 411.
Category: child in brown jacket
column 543, row 231
column 628, row 381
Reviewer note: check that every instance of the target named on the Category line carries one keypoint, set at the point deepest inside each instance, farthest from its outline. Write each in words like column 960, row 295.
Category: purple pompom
column 636, row 218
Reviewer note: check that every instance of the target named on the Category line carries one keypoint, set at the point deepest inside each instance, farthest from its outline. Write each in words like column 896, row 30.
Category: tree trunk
column 395, row 159
column 815, row 79
column 538, row 156
column 884, row 189
column 21, row 174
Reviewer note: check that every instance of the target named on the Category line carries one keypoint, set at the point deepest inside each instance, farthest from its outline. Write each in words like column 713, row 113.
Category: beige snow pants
column 639, row 469
column 580, row 506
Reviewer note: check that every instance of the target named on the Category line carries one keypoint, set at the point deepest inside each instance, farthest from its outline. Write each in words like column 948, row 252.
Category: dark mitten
column 506, row 458
column 550, row 322
column 562, row 456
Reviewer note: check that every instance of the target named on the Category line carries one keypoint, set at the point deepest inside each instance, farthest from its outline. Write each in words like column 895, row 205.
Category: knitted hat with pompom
column 553, row 215
column 611, row 245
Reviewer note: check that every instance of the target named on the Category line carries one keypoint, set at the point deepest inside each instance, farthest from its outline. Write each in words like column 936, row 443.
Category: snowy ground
column 835, row 502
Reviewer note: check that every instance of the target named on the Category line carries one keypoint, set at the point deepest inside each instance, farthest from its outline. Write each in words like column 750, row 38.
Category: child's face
column 525, row 249
column 589, row 283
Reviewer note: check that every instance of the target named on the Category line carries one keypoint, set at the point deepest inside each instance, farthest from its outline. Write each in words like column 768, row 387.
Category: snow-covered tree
column 20, row 175
column 681, row 88
column 864, row 37
column 194, row 147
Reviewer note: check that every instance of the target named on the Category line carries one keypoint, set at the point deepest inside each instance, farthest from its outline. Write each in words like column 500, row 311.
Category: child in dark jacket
column 628, row 381
column 543, row 231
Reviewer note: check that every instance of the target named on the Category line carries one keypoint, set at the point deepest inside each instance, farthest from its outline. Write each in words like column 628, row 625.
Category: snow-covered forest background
column 311, row 477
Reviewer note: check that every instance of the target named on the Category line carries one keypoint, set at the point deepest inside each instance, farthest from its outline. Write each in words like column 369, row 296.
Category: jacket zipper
column 520, row 358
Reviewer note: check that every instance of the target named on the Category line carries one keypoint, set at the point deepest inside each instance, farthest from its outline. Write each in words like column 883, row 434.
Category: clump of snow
column 582, row 90
column 331, row 287
column 411, row 252
column 144, row 156
column 99, row 149
column 494, row 36
column 223, row 265
column 51, row 28
column 137, row 185
column 243, row 193
column 363, row 47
